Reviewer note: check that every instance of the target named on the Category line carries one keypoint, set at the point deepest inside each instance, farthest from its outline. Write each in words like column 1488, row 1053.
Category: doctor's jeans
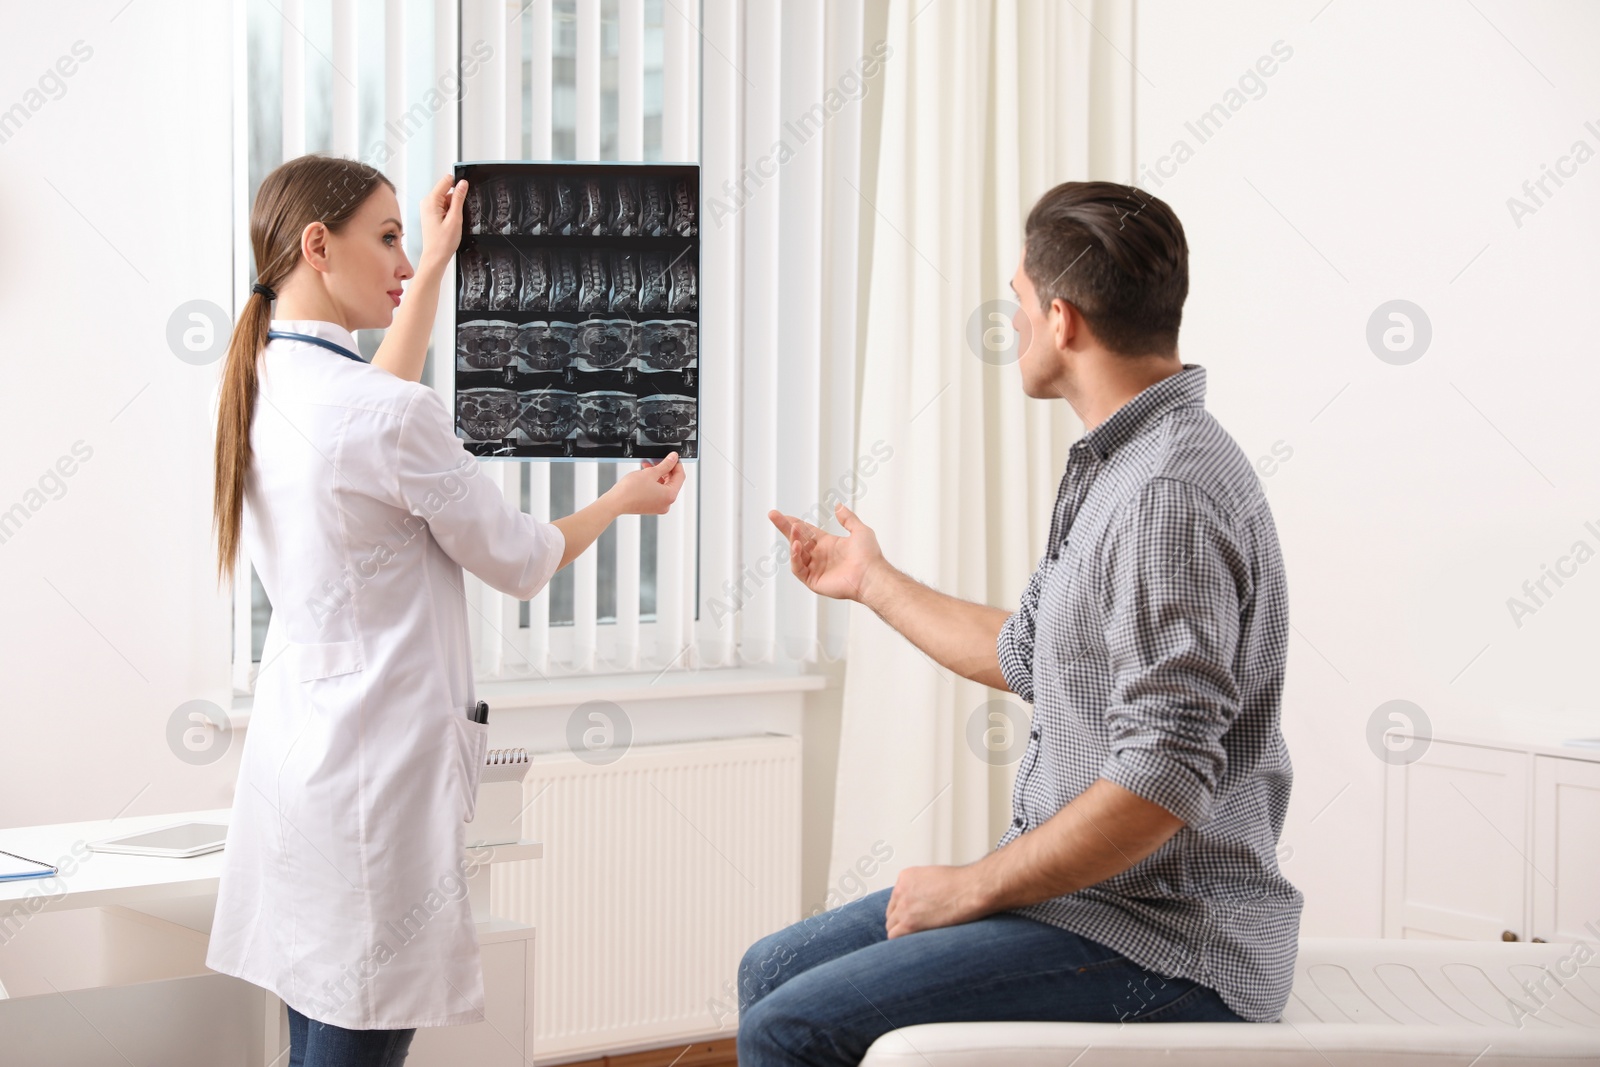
column 821, row 991
column 318, row 1044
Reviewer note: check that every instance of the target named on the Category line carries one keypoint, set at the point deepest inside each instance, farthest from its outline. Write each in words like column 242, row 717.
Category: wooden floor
column 700, row 1054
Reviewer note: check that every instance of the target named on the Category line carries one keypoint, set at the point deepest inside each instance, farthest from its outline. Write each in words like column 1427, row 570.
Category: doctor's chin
column 798, row 533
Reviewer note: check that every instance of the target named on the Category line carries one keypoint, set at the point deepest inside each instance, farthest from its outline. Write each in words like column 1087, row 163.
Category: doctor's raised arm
column 404, row 349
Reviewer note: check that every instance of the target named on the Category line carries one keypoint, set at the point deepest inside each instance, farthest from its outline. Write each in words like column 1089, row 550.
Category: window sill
column 628, row 688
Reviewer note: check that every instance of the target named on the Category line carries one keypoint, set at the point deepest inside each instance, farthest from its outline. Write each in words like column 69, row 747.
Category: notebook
column 13, row 866
column 505, row 765
column 499, row 809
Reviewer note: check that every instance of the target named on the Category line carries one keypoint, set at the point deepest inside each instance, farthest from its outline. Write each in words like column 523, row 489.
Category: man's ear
column 1064, row 323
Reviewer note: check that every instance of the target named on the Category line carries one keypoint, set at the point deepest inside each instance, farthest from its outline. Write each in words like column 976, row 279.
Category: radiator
column 659, row 870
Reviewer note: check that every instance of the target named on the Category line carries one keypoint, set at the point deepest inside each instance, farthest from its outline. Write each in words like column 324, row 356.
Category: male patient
column 1138, row 880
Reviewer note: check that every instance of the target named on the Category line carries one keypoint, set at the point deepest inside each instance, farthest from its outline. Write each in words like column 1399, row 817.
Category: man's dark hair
column 1115, row 253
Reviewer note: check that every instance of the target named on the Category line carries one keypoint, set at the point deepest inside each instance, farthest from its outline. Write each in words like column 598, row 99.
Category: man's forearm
column 1103, row 832
column 957, row 634
column 405, row 343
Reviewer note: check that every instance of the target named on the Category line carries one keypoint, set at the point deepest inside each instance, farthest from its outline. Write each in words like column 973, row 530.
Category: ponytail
column 236, row 407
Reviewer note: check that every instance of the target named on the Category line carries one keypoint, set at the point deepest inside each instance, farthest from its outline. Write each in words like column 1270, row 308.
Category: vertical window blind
column 584, row 80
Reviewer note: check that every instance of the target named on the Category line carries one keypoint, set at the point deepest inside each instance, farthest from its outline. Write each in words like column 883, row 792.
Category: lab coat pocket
column 473, row 751
column 325, row 659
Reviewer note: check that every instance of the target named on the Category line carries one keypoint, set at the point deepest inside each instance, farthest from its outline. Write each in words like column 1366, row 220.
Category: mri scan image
column 503, row 279
column 500, row 202
column 535, row 294
column 473, row 270
column 607, row 417
column 594, row 283
column 681, row 295
column 546, row 347
column 624, row 216
column 548, row 415
column 485, row 345
column 683, row 208
column 605, row 344
column 486, row 414
column 563, row 206
column 653, row 282
column 667, row 420
column 535, row 206
column 592, row 208
column 624, row 280
column 577, row 310
column 666, row 346
column 654, row 210
column 565, row 280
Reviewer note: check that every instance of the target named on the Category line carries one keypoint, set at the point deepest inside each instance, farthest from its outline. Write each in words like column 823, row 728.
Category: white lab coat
column 342, row 888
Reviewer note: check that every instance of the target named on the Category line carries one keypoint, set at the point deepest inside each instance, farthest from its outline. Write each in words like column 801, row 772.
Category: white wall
column 114, row 210
column 1376, row 165
column 1411, row 508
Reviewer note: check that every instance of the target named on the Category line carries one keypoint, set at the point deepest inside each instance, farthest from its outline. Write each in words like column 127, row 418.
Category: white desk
column 146, row 972
column 180, row 890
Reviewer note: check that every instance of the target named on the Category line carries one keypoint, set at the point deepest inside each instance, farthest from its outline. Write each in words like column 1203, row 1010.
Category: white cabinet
column 1493, row 839
column 1566, row 859
column 503, row 1038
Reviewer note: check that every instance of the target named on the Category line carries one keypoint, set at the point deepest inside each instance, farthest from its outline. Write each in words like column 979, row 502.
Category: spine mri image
column 577, row 321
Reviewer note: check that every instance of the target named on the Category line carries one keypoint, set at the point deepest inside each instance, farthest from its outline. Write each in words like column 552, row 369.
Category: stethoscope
column 285, row 335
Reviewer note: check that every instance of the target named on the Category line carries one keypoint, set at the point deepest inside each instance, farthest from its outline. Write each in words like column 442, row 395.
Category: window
column 550, row 79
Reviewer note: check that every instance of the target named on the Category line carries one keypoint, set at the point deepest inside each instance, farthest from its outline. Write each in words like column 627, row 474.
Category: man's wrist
column 986, row 881
column 875, row 578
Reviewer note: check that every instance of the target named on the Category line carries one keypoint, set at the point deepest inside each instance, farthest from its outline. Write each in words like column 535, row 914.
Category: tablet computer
column 178, row 841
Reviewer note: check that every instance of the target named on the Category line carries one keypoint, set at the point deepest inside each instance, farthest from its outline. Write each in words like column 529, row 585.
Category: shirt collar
column 1187, row 388
column 328, row 331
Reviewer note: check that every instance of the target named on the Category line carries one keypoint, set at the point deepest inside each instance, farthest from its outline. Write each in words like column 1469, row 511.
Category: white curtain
column 984, row 105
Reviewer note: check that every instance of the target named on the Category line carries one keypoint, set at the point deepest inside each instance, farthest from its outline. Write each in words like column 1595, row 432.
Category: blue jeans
column 318, row 1044
column 823, row 990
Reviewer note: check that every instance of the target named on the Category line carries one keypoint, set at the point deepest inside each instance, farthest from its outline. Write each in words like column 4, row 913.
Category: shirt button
column 1016, row 822
column 1034, row 734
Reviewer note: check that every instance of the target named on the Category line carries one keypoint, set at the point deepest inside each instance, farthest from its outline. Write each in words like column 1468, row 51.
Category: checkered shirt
column 1150, row 641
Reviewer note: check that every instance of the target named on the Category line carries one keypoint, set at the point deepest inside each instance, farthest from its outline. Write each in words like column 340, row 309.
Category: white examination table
column 1355, row 1003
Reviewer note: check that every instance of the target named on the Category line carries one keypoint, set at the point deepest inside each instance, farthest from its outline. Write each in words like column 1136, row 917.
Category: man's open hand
column 829, row 564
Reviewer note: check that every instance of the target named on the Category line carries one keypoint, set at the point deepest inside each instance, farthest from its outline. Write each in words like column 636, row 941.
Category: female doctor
column 342, row 888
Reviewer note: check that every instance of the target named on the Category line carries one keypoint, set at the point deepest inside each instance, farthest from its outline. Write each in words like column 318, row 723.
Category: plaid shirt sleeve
column 1015, row 643
column 1174, row 581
